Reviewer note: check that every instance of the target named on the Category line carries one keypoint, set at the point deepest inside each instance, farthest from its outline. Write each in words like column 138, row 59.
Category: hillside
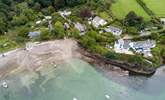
column 126, row 31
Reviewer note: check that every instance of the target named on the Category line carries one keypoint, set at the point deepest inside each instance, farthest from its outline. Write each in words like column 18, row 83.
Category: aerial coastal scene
column 82, row 50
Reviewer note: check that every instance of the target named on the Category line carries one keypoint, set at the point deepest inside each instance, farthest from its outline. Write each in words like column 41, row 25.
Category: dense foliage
column 19, row 12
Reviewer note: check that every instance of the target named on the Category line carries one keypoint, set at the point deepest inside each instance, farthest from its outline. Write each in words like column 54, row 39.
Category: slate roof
column 113, row 30
column 34, row 34
column 97, row 21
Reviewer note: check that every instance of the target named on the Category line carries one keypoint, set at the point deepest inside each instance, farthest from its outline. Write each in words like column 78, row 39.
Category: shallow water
column 77, row 80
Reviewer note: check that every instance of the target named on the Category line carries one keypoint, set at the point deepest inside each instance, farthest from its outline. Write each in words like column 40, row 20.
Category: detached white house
column 65, row 13
column 80, row 27
column 114, row 30
column 97, row 22
column 143, row 47
column 123, row 46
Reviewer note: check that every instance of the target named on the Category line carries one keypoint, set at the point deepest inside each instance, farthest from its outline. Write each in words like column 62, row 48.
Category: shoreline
column 125, row 66
column 99, row 60
column 54, row 52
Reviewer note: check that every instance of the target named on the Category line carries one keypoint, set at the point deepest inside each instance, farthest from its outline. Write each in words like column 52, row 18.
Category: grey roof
column 114, row 30
column 126, row 44
column 144, row 44
column 34, row 34
column 97, row 19
column 80, row 27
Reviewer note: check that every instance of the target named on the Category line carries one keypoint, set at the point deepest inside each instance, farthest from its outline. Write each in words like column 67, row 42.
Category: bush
column 155, row 36
column 59, row 30
column 45, row 34
column 132, row 31
column 23, row 31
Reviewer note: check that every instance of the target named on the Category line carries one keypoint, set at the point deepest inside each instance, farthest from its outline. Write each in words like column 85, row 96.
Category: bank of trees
column 20, row 12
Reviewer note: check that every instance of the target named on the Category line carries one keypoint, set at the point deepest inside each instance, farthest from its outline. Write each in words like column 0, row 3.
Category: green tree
column 51, row 9
column 59, row 30
column 132, row 19
column 132, row 31
column 45, row 34
column 23, row 32
column 2, row 26
column 155, row 36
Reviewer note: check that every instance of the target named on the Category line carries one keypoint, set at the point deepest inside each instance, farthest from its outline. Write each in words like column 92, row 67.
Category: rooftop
column 97, row 21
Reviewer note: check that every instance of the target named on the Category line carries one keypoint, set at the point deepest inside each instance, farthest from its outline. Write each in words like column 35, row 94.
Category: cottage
column 114, row 30
column 65, row 13
column 143, row 44
column 97, row 22
column 143, row 47
column 34, row 34
column 162, row 20
column 123, row 46
column 80, row 27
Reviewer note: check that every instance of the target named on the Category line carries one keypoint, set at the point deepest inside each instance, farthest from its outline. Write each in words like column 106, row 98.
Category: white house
column 80, row 27
column 65, row 13
column 143, row 47
column 114, row 30
column 123, row 46
column 97, row 22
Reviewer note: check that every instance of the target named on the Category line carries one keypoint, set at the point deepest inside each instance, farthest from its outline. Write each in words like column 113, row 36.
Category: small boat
column 107, row 96
column 4, row 84
column 75, row 99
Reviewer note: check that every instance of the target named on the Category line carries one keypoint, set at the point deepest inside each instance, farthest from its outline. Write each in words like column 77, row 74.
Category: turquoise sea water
column 77, row 80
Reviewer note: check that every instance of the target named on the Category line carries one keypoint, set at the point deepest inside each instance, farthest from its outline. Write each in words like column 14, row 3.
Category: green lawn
column 122, row 7
column 157, row 6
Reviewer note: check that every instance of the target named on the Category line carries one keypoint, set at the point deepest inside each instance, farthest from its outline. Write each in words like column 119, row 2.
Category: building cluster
column 120, row 46
column 141, row 47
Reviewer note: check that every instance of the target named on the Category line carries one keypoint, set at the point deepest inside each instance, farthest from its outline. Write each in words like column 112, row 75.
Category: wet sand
column 38, row 56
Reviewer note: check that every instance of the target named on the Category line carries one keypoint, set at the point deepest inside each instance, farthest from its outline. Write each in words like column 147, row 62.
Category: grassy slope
column 157, row 6
column 6, row 44
column 122, row 7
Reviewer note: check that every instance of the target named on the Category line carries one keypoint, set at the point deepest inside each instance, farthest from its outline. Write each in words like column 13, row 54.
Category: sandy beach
column 38, row 55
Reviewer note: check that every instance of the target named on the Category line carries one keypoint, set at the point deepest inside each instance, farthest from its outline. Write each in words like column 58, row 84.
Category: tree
column 155, row 36
column 132, row 31
column 45, row 34
column 37, row 6
column 19, row 20
column 23, row 32
column 2, row 26
column 85, row 13
column 87, row 41
column 59, row 3
column 51, row 9
column 132, row 19
column 59, row 30
column 75, row 33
